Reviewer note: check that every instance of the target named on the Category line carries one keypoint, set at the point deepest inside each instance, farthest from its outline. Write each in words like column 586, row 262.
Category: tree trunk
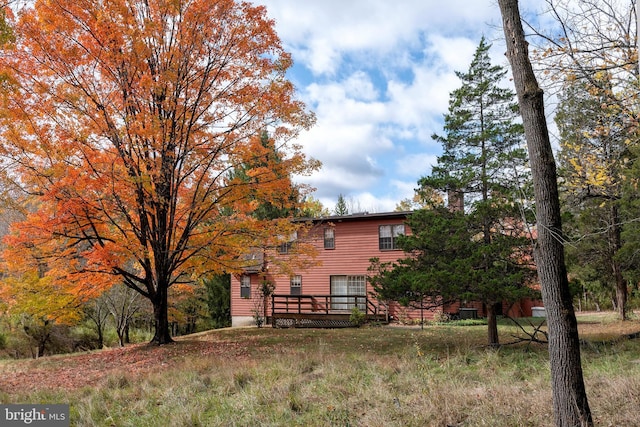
column 127, row 339
column 570, row 403
column 615, row 243
column 638, row 31
column 621, row 294
column 42, row 345
column 160, row 311
column 120, row 337
column 492, row 326
column 100, row 336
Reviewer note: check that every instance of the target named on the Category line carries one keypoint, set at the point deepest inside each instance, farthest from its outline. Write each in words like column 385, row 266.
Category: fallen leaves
column 75, row 371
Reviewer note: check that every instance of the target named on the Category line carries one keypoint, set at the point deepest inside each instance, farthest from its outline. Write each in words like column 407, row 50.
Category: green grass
column 370, row 376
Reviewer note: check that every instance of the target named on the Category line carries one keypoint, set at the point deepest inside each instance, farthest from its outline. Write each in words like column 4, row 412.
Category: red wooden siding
column 355, row 243
column 243, row 306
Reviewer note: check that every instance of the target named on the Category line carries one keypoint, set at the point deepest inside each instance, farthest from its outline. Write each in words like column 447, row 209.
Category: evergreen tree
column 483, row 146
column 341, row 206
column 218, row 297
column 266, row 165
column 446, row 264
column 484, row 161
column 437, row 270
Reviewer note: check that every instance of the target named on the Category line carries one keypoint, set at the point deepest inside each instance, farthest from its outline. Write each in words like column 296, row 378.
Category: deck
column 328, row 311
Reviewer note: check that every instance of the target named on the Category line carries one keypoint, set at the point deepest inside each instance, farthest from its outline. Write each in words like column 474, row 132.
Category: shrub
column 403, row 316
column 140, row 335
column 258, row 318
column 84, row 338
column 441, row 317
column 469, row 322
column 357, row 317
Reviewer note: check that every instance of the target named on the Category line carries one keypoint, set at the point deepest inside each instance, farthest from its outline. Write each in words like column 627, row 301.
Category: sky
column 378, row 74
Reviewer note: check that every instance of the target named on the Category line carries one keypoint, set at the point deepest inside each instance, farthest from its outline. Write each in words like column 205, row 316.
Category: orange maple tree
column 126, row 118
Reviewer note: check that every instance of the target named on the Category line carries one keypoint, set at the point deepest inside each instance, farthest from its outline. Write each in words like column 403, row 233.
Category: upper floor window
column 296, row 285
column 285, row 248
column 245, row 286
column 329, row 238
column 388, row 234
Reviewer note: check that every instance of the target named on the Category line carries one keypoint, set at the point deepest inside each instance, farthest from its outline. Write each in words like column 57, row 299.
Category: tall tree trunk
column 638, row 31
column 615, row 243
column 492, row 326
column 161, row 314
column 621, row 292
column 570, row 404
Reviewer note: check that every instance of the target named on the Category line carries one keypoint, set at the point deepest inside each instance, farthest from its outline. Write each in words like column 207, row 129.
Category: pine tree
column 483, row 147
column 484, row 160
column 443, row 264
column 218, row 297
column 437, row 270
column 341, row 206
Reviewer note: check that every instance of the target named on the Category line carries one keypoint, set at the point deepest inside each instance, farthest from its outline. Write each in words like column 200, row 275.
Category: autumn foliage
column 125, row 121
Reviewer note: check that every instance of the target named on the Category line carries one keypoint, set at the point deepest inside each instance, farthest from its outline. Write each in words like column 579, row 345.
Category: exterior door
column 348, row 285
column 339, row 287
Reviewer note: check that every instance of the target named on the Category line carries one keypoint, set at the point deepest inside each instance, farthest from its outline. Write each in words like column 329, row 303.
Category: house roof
column 253, row 261
column 358, row 216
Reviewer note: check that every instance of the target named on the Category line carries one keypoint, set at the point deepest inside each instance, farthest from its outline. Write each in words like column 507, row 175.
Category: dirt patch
column 606, row 326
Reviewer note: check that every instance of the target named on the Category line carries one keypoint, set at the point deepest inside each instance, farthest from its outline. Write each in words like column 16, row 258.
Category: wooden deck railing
column 283, row 305
column 379, row 309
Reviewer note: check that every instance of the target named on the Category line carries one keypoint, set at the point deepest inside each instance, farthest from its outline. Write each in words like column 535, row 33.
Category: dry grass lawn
column 371, row 376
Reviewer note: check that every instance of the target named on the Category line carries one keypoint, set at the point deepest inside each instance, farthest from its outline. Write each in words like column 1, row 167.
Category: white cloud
column 378, row 75
column 350, row 101
column 418, row 164
column 453, row 53
column 422, row 101
column 321, row 32
column 360, row 87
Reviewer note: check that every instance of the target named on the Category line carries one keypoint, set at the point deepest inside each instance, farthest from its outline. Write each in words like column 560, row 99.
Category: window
column 388, row 235
column 329, row 240
column 285, row 248
column 351, row 286
column 245, row 286
column 296, row 285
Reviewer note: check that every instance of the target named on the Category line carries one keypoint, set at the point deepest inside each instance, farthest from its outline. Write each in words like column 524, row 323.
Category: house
column 337, row 281
column 344, row 245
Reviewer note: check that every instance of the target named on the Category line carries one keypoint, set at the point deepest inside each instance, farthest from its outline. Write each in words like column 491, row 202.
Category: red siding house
column 344, row 245
column 336, row 282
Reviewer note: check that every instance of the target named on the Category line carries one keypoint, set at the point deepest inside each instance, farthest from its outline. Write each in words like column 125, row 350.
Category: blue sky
column 377, row 74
